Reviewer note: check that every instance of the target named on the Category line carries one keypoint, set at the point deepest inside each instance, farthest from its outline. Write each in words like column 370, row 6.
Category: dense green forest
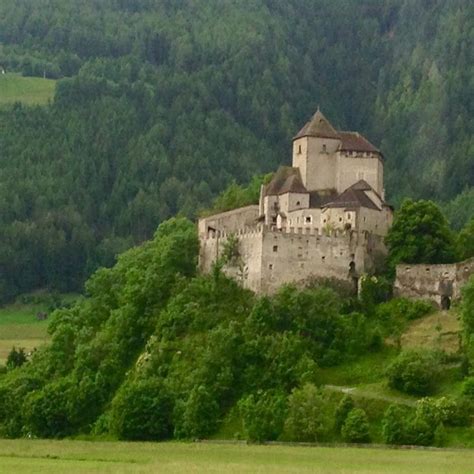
column 162, row 104
column 155, row 351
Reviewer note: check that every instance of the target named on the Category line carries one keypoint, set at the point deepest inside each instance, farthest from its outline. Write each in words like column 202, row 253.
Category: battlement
column 324, row 234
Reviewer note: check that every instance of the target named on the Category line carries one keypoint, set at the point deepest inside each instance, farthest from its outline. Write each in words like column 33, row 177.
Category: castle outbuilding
column 325, row 216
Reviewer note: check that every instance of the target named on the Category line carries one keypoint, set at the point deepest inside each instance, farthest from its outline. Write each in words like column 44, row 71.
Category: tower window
column 298, row 203
column 275, row 248
column 270, row 267
column 299, row 149
column 308, row 220
column 324, row 148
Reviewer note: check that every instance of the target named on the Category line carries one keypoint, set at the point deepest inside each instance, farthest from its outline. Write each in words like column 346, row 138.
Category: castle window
column 323, row 258
column 324, row 148
column 299, row 149
column 340, row 219
column 275, row 248
column 298, row 203
column 308, row 220
column 349, row 216
column 270, row 267
column 274, row 219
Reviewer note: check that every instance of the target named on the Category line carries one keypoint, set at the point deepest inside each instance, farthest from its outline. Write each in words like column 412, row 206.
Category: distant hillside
column 27, row 90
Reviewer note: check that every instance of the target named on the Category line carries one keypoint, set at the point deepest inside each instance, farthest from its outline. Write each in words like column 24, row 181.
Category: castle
column 324, row 217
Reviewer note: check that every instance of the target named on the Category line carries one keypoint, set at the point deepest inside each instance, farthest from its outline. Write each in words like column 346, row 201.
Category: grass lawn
column 28, row 456
column 28, row 90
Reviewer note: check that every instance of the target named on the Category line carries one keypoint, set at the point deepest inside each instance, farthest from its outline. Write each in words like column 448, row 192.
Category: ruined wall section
column 433, row 282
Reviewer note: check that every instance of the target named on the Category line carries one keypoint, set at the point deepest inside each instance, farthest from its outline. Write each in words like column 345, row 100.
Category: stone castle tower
column 323, row 217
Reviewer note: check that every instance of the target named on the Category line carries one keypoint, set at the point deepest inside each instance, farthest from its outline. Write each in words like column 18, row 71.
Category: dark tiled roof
column 353, row 141
column 286, row 180
column 319, row 127
column 318, row 199
column 354, row 197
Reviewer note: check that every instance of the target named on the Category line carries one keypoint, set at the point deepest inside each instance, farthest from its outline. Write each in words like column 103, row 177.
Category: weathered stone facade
column 323, row 217
column 439, row 283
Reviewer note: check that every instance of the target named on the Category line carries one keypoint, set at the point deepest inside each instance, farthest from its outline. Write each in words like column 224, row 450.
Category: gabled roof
column 285, row 180
column 354, row 197
column 354, row 141
column 319, row 127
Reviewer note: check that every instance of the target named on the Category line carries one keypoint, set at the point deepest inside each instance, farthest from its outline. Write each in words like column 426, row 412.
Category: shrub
column 16, row 358
column 263, row 415
column 404, row 309
column 413, row 372
column 197, row 416
column 394, row 426
column 307, row 418
column 356, row 427
column 141, row 411
column 345, row 406
column 468, row 387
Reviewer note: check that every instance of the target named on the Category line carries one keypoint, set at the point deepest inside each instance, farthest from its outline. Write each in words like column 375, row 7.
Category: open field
column 20, row 328
column 28, row 90
column 28, row 456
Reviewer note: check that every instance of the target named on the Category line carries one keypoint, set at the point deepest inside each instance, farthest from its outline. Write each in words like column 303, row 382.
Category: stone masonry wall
column 271, row 258
column 433, row 282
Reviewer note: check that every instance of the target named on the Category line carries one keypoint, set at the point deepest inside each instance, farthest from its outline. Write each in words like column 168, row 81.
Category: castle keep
column 323, row 217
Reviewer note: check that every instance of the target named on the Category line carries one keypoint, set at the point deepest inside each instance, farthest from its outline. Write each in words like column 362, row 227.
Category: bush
column 404, row 309
column 141, row 411
column 263, row 415
column 468, row 387
column 413, row 372
column 197, row 416
column 16, row 358
column 356, row 427
column 345, row 406
column 307, row 418
column 394, row 426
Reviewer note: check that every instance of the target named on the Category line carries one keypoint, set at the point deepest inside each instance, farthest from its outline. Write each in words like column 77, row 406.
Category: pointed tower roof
column 319, row 127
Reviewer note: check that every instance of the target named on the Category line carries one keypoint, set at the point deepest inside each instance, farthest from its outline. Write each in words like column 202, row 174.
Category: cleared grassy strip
column 27, row 456
column 20, row 328
column 27, row 90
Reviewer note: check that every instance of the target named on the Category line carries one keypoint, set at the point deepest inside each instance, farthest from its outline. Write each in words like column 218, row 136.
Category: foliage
column 141, row 411
column 465, row 241
column 308, row 418
column 420, row 234
column 345, row 406
column 356, row 427
column 263, row 415
column 468, row 387
column 16, row 358
column 467, row 309
column 394, row 425
column 413, row 372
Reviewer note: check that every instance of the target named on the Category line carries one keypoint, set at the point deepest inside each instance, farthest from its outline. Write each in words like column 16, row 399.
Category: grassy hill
column 27, row 90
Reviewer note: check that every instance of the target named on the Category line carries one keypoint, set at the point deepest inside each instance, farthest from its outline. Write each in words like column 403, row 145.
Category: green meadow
column 27, row 90
column 38, row 456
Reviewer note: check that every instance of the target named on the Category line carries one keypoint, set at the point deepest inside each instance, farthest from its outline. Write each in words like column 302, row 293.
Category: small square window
column 275, row 248
column 298, row 203
column 308, row 220
column 270, row 267
column 323, row 258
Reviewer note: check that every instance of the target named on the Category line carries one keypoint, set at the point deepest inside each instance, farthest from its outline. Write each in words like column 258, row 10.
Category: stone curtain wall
column 433, row 282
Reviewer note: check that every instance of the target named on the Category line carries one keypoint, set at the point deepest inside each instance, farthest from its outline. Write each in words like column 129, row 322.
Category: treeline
column 155, row 351
column 163, row 104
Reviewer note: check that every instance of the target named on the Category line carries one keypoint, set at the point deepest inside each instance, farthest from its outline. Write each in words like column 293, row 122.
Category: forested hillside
column 161, row 104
